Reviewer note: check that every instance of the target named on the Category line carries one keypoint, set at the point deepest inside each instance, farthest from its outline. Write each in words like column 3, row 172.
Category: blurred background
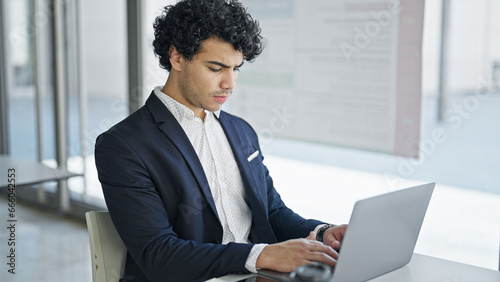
column 71, row 69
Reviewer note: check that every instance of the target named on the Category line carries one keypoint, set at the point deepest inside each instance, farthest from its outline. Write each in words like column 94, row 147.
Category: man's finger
column 323, row 258
column 323, row 249
column 312, row 236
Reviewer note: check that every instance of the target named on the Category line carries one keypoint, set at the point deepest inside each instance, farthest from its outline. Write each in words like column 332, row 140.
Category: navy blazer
column 160, row 202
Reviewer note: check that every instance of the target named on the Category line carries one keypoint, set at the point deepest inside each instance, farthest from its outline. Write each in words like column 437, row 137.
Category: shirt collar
column 178, row 110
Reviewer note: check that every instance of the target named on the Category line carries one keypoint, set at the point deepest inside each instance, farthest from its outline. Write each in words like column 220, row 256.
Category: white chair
column 107, row 251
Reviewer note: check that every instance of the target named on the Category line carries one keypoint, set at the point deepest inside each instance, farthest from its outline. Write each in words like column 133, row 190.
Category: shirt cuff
column 251, row 262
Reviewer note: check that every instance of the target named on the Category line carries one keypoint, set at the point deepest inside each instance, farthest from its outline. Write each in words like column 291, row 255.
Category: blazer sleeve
column 142, row 222
column 285, row 223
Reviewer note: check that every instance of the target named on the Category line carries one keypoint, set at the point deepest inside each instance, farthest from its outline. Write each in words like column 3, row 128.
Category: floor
column 48, row 247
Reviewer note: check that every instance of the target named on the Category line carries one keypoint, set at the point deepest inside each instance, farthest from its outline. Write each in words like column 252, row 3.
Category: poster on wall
column 344, row 72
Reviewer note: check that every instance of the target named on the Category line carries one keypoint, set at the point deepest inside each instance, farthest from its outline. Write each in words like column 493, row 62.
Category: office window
column 104, row 77
column 21, row 97
column 153, row 74
column 460, row 152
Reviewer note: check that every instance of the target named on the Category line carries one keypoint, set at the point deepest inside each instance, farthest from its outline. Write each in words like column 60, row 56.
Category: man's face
column 208, row 79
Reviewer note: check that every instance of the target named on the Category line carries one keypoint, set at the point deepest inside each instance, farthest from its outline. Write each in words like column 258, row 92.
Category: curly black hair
column 189, row 22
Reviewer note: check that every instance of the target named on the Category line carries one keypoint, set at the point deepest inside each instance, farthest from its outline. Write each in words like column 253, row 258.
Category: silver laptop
column 381, row 235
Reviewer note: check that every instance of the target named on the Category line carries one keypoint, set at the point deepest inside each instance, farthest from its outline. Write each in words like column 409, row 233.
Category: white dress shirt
column 220, row 167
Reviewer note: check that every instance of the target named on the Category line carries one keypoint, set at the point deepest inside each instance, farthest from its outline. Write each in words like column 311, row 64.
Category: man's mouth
column 221, row 96
column 221, row 99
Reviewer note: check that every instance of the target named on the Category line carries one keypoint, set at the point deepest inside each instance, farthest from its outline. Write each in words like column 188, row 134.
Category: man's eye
column 236, row 69
column 215, row 70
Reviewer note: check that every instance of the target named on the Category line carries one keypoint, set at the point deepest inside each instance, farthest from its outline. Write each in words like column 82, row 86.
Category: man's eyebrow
column 224, row 65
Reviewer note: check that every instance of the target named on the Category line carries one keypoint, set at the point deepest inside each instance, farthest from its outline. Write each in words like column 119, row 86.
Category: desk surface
column 430, row 269
column 29, row 172
column 422, row 268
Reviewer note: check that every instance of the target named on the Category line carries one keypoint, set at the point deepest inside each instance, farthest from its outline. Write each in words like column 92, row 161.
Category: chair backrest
column 107, row 251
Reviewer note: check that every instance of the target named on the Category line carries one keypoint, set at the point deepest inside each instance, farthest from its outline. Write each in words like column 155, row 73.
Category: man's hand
column 287, row 256
column 333, row 236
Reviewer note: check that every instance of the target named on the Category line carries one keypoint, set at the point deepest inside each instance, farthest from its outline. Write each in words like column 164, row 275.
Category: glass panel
column 153, row 74
column 76, row 157
column 104, row 59
column 21, row 96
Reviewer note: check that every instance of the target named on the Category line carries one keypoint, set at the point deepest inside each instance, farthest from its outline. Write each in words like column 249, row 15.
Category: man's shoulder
column 135, row 126
column 142, row 118
column 134, row 120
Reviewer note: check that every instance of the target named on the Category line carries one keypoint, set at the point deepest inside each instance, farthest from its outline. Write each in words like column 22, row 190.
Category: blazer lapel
column 242, row 148
column 170, row 127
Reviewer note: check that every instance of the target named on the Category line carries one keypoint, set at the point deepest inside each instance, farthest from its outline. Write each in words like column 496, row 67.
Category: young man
column 183, row 181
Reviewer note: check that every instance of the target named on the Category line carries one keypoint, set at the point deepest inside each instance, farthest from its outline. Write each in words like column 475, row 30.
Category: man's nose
column 229, row 79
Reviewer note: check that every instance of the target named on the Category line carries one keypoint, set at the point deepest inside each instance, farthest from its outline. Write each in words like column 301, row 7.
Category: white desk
column 30, row 172
column 422, row 269
column 430, row 269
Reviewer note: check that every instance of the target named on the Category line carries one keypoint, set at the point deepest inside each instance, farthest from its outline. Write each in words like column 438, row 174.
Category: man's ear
column 175, row 57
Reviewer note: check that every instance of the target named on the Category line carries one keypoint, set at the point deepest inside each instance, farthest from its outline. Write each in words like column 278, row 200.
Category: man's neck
column 173, row 92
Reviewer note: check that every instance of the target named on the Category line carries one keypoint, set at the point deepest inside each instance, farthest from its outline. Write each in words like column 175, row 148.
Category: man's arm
column 142, row 221
column 295, row 249
column 287, row 256
column 333, row 236
column 287, row 225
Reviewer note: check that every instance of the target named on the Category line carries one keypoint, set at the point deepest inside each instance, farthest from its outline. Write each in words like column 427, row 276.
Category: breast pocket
column 254, row 155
